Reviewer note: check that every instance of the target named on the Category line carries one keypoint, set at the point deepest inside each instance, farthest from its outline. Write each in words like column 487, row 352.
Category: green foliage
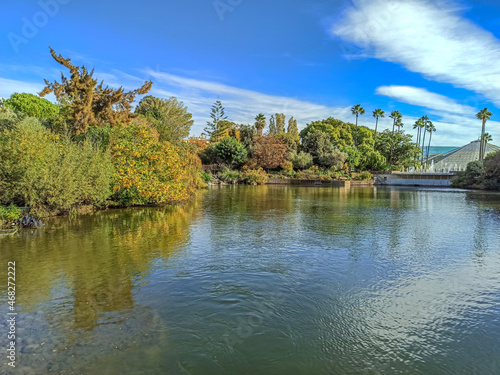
column 169, row 117
column 301, row 160
column 98, row 135
column 280, row 123
column 31, row 105
column 206, row 177
column 318, row 145
column 213, row 127
column 209, row 154
column 248, row 135
column 229, row 176
column 398, row 149
column 48, row 174
column 483, row 174
column 471, row 177
column 339, row 132
column 287, row 167
column 230, row 151
column 364, row 176
column 9, row 213
column 254, row 176
column 8, row 118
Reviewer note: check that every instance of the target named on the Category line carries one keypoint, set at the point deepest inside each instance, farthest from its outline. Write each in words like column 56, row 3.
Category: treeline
column 91, row 149
column 326, row 149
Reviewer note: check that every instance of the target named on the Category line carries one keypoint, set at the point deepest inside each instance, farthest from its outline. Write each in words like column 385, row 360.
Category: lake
column 263, row 280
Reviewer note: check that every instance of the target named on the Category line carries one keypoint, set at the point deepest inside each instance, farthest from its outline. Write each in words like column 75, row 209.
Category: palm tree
column 378, row 113
column 399, row 123
column 395, row 115
column 357, row 110
column 487, row 138
column 484, row 115
column 419, row 124
column 431, row 129
column 260, row 123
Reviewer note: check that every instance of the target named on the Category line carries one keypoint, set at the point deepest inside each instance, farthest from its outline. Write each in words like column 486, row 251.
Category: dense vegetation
column 325, row 149
column 90, row 150
column 482, row 174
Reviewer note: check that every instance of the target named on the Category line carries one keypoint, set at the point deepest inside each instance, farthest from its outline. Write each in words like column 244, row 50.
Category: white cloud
column 10, row 86
column 424, row 98
column 454, row 129
column 427, row 37
column 241, row 105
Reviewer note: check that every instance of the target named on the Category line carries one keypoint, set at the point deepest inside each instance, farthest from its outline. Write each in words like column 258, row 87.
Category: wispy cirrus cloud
column 241, row 105
column 424, row 98
column 427, row 37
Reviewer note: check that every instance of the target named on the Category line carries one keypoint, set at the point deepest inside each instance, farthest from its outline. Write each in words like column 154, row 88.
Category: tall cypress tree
column 280, row 123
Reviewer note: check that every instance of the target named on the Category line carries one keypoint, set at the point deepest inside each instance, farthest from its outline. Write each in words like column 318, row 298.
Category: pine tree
column 213, row 128
column 91, row 104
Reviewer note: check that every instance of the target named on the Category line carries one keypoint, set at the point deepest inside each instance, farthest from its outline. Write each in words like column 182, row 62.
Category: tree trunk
column 376, row 126
column 481, row 146
column 429, row 148
column 423, row 146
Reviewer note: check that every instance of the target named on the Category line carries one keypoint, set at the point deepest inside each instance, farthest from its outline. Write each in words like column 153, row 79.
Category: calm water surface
column 264, row 280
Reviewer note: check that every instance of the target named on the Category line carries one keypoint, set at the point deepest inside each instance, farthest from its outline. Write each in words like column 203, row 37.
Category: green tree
column 483, row 115
column 377, row 114
column 169, row 116
column 273, row 130
column 32, row 105
column 319, row 146
column 340, row 133
column 213, row 128
column 292, row 127
column 260, row 124
column 357, row 110
column 91, row 104
column 230, row 151
column 280, row 123
column 488, row 138
column 398, row 149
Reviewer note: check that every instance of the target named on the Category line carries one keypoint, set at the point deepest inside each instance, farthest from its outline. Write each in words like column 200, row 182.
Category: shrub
column 490, row 177
column 230, row 151
column 287, row 167
column 229, row 176
column 254, row 176
column 8, row 119
column 9, row 213
column 31, row 105
column 470, row 177
column 302, row 160
column 208, row 155
column 147, row 171
column 48, row 174
column 206, row 177
column 364, row 176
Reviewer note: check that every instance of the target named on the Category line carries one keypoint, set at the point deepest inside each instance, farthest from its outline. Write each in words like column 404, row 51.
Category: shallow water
column 264, row 280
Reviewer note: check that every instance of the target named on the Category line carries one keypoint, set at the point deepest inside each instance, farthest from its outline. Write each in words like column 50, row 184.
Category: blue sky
column 307, row 59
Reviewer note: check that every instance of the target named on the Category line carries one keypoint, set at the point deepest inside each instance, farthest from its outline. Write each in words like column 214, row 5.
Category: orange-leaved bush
column 147, row 171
